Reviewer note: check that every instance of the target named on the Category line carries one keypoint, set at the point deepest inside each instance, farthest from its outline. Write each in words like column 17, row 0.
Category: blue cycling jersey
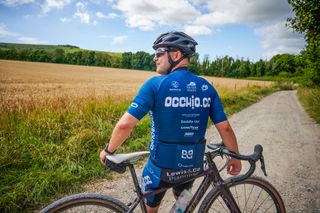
column 179, row 104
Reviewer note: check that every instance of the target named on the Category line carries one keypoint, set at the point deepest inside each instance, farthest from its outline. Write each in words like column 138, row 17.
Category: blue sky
column 251, row 29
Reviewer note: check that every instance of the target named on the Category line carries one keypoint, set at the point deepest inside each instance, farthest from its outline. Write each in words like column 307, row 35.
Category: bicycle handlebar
column 252, row 159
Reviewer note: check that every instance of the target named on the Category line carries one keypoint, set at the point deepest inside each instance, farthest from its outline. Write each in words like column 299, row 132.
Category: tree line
column 304, row 67
column 284, row 65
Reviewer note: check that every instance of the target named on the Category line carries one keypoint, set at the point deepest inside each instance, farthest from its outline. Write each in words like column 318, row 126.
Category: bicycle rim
column 252, row 195
column 86, row 203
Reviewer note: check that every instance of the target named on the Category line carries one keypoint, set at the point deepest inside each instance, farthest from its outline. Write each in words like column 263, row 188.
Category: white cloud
column 83, row 16
column 64, row 20
column 145, row 15
column 109, row 16
column 118, row 39
column 195, row 30
column 13, row 3
column 243, row 11
column 114, row 39
column 82, row 13
column 53, row 4
column 30, row 40
column 4, row 32
column 277, row 39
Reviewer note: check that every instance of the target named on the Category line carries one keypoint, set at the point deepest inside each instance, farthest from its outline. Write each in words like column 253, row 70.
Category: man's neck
column 183, row 64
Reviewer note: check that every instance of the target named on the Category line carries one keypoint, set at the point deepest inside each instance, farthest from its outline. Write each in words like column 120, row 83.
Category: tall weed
column 53, row 148
column 310, row 99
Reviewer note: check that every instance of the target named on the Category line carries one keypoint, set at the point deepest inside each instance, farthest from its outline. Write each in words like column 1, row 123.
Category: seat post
column 135, row 179
column 137, row 187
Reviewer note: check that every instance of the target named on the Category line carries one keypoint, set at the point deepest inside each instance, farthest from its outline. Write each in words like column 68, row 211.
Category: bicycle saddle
column 124, row 158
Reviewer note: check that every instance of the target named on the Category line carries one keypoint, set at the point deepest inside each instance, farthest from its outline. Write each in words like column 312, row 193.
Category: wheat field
column 22, row 82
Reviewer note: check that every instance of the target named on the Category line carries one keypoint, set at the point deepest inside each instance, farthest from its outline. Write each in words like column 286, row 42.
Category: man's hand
column 103, row 156
column 234, row 166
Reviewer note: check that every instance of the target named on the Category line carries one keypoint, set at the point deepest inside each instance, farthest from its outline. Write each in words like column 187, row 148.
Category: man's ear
column 176, row 55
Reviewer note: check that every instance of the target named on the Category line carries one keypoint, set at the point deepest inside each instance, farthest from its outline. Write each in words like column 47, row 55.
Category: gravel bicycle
column 243, row 193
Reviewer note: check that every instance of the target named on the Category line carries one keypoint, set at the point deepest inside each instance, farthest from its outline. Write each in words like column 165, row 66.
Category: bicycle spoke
column 256, row 201
column 247, row 199
column 261, row 204
column 254, row 195
column 237, row 197
column 222, row 203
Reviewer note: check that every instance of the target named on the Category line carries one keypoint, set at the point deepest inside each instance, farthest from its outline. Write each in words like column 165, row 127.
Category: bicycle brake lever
column 263, row 167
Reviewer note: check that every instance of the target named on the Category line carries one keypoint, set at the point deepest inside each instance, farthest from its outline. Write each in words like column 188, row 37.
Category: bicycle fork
column 227, row 197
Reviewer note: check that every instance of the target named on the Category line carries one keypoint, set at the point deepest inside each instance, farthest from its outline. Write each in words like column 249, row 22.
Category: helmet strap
column 174, row 63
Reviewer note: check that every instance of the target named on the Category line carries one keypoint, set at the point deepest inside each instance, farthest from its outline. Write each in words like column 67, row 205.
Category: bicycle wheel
column 251, row 195
column 86, row 203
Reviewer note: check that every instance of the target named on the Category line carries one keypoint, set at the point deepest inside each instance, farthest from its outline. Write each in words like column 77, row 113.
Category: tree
column 126, row 60
column 58, row 56
column 307, row 21
column 260, row 68
column 194, row 64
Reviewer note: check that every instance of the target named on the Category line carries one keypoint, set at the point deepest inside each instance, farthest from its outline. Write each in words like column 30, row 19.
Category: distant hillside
column 70, row 54
column 49, row 48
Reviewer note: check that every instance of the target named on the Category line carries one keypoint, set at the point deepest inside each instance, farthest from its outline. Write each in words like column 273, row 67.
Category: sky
column 249, row 29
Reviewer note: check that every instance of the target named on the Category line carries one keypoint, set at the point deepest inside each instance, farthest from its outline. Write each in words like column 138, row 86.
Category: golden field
column 22, row 82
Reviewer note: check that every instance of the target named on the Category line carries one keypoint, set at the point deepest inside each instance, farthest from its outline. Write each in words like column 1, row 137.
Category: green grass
column 310, row 99
column 50, row 48
column 51, row 150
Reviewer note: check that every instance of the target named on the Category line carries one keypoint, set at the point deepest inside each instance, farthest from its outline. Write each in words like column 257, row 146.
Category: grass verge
column 53, row 149
column 310, row 99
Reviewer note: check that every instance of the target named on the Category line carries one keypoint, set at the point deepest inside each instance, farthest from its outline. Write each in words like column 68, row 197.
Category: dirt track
column 291, row 142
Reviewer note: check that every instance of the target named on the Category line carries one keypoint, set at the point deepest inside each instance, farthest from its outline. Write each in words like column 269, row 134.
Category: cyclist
column 179, row 104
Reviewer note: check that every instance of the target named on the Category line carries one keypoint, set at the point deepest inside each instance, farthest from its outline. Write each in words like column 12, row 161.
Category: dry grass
column 55, row 119
column 30, row 83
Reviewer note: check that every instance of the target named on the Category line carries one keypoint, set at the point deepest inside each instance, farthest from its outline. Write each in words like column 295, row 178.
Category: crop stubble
column 22, row 83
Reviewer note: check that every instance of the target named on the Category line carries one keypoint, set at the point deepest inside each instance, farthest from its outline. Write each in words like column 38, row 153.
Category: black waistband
column 183, row 142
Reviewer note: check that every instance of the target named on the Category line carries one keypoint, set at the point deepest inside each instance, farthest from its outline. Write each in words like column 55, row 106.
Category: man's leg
column 150, row 181
column 152, row 209
column 178, row 189
column 153, row 202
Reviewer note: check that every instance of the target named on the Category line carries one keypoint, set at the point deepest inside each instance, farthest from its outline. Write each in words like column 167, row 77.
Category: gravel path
column 291, row 142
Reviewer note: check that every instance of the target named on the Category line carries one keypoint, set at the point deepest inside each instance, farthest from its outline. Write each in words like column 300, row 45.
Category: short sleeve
column 217, row 113
column 144, row 100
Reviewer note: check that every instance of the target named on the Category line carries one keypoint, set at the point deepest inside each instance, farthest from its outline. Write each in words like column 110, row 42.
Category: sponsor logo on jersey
column 188, row 134
column 146, row 180
column 153, row 131
column 182, row 174
column 174, row 86
column 134, row 105
column 204, row 87
column 192, row 102
column 192, row 87
column 187, row 154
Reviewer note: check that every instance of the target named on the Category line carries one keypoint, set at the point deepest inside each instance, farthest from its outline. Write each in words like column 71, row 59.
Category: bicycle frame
column 211, row 175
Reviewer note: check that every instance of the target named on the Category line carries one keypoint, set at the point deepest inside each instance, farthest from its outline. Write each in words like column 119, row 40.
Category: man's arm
column 230, row 141
column 120, row 133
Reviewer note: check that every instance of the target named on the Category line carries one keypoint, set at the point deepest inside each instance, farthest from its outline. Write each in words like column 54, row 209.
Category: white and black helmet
column 178, row 40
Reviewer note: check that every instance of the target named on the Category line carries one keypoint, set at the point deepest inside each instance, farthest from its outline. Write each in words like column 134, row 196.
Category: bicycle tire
column 254, row 194
column 86, row 203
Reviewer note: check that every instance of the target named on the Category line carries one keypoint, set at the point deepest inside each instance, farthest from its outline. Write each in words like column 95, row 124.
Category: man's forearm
column 122, row 131
column 227, row 135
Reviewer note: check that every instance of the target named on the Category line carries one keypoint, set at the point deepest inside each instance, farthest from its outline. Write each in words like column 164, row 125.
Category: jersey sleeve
column 144, row 100
column 217, row 114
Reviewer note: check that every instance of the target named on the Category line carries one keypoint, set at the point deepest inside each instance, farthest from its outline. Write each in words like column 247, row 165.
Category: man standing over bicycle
column 179, row 104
